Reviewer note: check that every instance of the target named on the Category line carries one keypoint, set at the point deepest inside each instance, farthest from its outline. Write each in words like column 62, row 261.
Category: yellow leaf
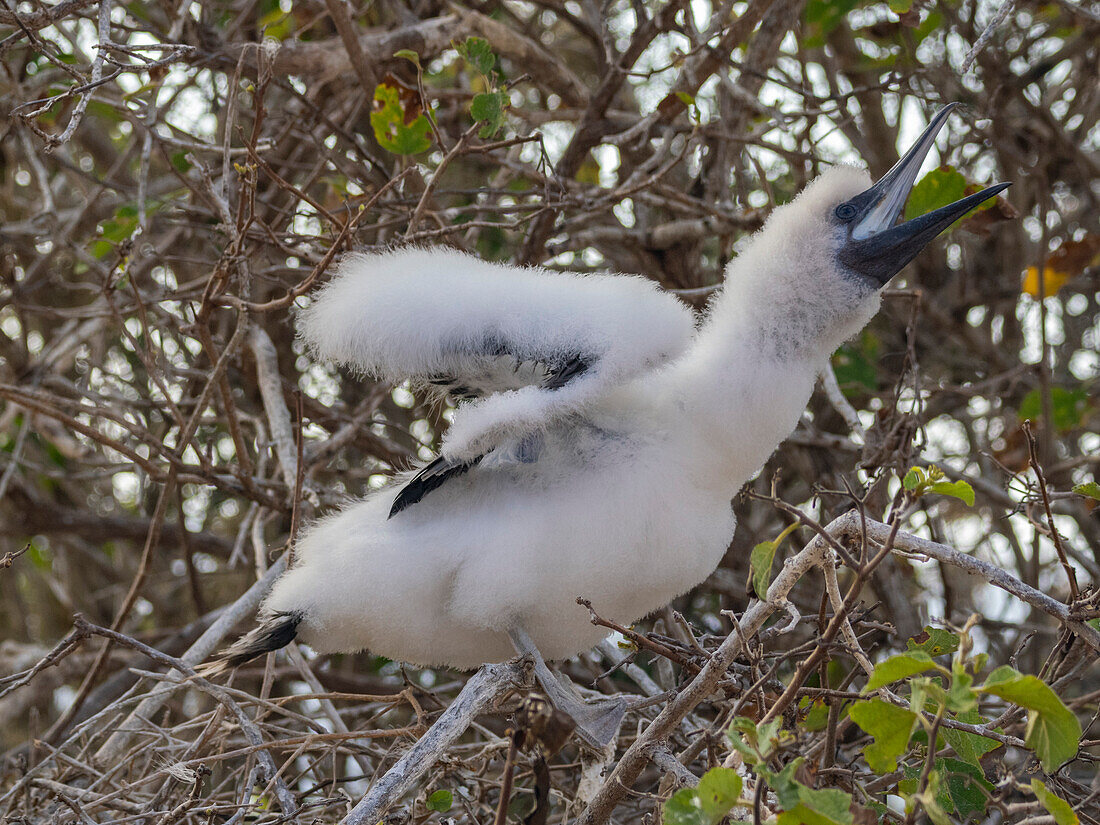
column 1066, row 262
column 1053, row 281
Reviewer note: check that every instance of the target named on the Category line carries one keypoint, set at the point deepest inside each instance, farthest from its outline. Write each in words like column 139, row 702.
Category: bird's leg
column 597, row 720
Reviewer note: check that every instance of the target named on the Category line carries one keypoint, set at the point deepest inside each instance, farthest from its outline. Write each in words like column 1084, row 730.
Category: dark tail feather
column 275, row 632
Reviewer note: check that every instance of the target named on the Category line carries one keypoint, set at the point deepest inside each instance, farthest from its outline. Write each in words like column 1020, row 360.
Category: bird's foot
column 597, row 719
column 601, row 726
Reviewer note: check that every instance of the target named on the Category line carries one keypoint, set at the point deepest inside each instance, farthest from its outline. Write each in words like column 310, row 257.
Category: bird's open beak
column 877, row 247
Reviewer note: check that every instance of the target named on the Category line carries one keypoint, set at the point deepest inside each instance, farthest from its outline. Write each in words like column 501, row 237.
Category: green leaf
column 939, row 187
column 683, row 808
column 409, row 55
column 918, row 698
column 926, row 694
column 899, row 667
column 685, row 98
column 889, row 726
column 760, row 561
column 760, row 567
column 805, row 805
column 393, row 133
column 957, row 787
column 1089, row 488
column 816, row 714
column 1056, row 806
column 1053, row 732
column 756, row 742
column 883, row 811
column 802, row 814
column 1068, row 407
column 707, row 804
column 961, row 696
column 978, row 662
column 440, row 801
column 932, row 23
column 589, row 171
column 478, row 53
column 930, row 800
column 116, row 229
column 277, row 24
column 856, row 365
column 970, row 747
column 718, row 792
column 921, row 480
column 821, row 17
column 934, row 641
column 958, row 489
column 138, row 92
column 900, row 6
column 180, row 162
column 964, row 788
column 40, row 557
column 488, row 108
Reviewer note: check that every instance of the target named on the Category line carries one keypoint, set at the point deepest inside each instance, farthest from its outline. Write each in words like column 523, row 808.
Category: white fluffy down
column 628, row 502
column 420, row 313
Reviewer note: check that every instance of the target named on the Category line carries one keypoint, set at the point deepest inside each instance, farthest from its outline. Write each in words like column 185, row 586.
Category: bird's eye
column 845, row 211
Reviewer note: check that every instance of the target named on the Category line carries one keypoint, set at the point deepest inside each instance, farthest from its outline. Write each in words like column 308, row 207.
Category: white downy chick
column 602, row 440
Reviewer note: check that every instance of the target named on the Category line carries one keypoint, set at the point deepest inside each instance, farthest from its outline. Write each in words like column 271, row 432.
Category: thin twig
column 1071, row 574
column 485, row 687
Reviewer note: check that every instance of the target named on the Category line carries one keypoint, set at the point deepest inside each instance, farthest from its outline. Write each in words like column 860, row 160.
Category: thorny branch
column 178, row 180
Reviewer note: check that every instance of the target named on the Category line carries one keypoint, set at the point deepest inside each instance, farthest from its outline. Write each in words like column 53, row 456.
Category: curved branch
column 908, row 543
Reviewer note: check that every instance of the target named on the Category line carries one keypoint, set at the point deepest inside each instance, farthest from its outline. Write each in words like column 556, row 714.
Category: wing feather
column 439, row 314
column 430, row 477
column 519, row 347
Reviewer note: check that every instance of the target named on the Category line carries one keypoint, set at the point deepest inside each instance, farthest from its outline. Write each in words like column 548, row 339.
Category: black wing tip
column 569, row 369
column 275, row 632
column 430, row 477
column 405, row 498
column 416, row 487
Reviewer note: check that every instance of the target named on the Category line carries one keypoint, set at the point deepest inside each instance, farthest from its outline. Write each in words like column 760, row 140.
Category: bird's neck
column 748, row 378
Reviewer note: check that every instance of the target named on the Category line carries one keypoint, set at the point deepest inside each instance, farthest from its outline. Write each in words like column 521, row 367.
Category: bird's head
column 825, row 256
column 872, row 244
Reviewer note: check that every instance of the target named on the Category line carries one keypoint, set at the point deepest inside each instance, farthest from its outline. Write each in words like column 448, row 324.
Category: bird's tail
column 273, row 633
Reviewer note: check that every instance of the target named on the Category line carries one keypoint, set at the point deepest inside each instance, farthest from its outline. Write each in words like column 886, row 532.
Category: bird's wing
column 521, row 348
